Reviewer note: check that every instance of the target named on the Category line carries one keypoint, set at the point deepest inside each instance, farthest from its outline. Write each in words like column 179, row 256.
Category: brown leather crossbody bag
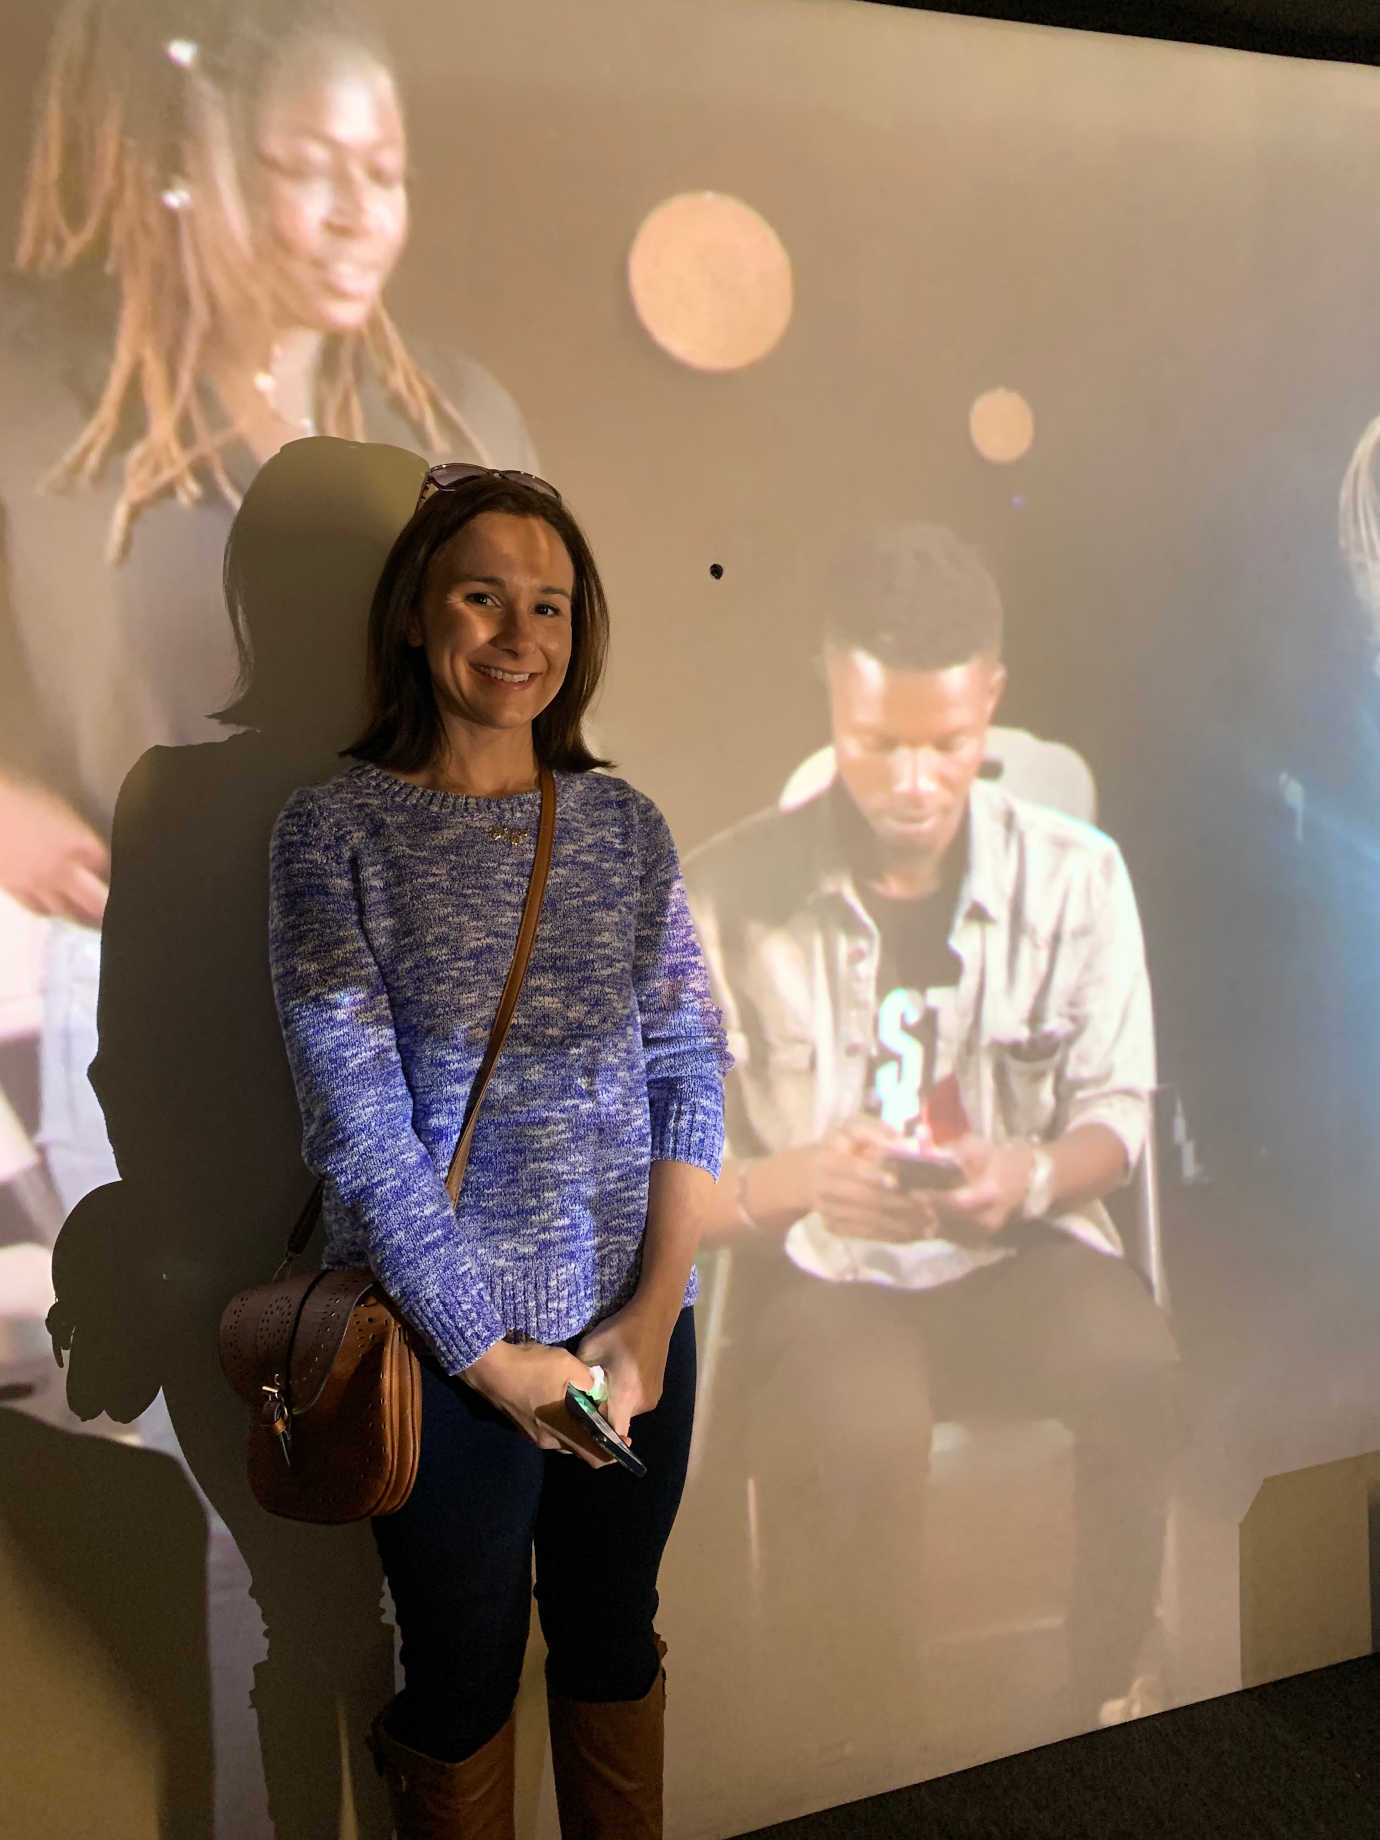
column 324, row 1359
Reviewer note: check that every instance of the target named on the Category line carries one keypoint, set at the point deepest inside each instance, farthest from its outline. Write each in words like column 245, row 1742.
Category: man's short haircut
column 914, row 597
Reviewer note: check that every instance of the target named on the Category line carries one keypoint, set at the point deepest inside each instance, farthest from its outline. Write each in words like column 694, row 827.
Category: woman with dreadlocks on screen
column 216, row 198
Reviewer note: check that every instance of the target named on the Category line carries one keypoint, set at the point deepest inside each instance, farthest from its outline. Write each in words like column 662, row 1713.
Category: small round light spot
column 711, row 281
column 1002, row 426
column 182, row 51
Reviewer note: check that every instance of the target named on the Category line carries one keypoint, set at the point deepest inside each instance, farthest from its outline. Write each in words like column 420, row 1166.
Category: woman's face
column 330, row 185
column 495, row 620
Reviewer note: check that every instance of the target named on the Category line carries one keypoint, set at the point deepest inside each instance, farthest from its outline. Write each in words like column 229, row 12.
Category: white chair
column 1047, row 772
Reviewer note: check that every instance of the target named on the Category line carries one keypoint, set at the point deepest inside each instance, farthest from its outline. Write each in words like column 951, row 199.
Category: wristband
column 1039, row 1190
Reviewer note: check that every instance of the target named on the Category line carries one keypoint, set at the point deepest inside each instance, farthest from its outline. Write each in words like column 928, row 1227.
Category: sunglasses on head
column 452, row 473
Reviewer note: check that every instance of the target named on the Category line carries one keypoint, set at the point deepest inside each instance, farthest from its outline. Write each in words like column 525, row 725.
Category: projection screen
column 848, row 332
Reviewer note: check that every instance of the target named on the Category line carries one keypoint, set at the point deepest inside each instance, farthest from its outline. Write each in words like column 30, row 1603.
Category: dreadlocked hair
column 145, row 113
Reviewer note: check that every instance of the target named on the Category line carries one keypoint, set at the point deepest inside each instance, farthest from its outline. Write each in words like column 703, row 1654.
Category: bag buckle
column 277, row 1415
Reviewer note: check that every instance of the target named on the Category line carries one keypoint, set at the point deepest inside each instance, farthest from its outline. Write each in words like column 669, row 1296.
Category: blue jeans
column 459, row 1555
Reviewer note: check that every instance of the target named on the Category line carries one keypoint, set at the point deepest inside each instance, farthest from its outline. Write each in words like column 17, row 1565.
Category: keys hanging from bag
column 324, row 1358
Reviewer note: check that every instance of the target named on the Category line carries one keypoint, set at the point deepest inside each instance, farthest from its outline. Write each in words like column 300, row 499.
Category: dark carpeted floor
column 1296, row 1760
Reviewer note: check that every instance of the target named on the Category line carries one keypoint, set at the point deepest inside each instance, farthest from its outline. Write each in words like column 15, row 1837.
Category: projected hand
column 997, row 1177
column 51, row 861
column 856, row 1193
column 527, row 1381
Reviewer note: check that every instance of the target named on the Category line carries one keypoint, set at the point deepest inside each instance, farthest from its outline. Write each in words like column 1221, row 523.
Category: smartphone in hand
column 919, row 1172
column 605, row 1439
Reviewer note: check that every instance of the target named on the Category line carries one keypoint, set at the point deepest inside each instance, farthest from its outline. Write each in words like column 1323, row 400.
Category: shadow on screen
column 103, row 1629
column 200, row 1109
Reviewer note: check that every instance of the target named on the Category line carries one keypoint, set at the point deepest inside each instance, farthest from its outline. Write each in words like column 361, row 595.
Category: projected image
column 936, row 991
column 959, row 414
column 216, row 198
column 711, row 281
column 1359, row 525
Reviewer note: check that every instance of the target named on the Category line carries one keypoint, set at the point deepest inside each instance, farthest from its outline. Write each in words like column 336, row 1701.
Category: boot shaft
column 607, row 1758
column 432, row 1800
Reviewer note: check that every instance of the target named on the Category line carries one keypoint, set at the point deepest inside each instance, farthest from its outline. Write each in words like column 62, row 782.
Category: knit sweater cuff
column 688, row 1127
column 457, row 1329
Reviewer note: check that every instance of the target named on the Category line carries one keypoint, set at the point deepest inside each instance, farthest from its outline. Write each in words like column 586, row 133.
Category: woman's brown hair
column 403, row 728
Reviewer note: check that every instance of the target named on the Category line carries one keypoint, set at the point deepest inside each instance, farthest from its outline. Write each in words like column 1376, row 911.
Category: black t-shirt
column 915, row 959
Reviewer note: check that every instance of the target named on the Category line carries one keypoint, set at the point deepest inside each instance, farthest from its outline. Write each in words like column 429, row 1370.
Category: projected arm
column 51, row 860
column 682, row 1031
column 1084, row 1164
column 840, row 1177
column 843, row 1178
column 1106, row 1072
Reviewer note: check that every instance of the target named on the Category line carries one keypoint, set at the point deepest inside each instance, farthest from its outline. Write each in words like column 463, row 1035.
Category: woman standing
column 396, row 895
column 217, row 197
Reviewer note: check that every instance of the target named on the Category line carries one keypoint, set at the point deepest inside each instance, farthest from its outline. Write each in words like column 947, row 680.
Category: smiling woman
column 396, row 895
column 494, row 622
column 487, row 636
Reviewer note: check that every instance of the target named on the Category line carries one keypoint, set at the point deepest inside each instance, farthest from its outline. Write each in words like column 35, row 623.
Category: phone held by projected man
column 921, row 1172
column 927, row 1114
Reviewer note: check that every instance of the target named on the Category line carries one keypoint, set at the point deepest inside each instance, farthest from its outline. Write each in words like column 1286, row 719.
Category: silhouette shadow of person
column 192, row 1077
column 107, row 1722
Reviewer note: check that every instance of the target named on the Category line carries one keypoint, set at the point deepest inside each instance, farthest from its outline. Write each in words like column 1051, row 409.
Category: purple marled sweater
column 394, row 911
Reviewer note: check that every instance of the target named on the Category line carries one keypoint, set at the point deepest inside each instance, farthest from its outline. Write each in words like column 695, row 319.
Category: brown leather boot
column 431, row 1800
column 607, row 1760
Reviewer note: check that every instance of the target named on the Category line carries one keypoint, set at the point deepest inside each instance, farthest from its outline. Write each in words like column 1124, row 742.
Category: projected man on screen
column 916, row 959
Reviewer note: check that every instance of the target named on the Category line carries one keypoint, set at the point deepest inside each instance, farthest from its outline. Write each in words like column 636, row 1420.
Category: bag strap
column 517, row 971
column 507, row 1003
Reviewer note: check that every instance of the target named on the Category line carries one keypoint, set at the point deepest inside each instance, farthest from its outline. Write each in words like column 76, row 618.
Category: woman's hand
column 631, row 1348
column 527, row 1381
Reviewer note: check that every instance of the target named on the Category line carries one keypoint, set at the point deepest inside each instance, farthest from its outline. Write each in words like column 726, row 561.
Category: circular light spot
column 1002, row 426
column 711, row 281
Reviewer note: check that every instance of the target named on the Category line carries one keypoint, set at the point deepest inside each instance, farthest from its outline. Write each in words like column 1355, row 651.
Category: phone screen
column 581, row 1406
column 924, row 1172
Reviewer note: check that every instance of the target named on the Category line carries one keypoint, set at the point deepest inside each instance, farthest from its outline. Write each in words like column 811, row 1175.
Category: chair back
column 1047, row 772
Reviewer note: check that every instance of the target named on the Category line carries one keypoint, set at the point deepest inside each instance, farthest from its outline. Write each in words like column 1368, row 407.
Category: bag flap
column 302, row 1319
column 321, row 1328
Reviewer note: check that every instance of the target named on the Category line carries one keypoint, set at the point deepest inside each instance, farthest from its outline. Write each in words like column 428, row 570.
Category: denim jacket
column 1048, row 1027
